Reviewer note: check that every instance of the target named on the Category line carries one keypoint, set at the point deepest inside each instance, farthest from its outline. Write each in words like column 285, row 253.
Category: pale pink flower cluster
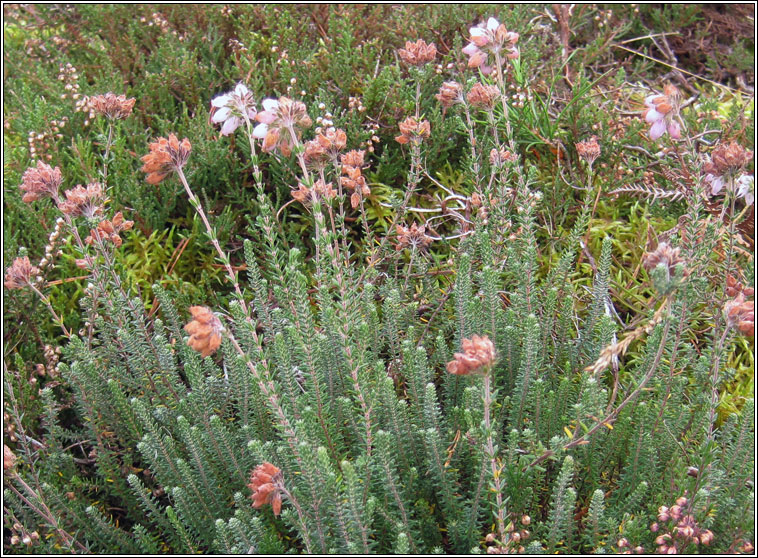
column 231, row 109
column 489, row 38
column 662, row 112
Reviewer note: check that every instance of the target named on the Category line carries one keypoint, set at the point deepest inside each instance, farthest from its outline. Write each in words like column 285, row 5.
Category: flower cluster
column 735, row 287
column 664, row 255
column 324, row 147
column 499, row 157
column 662, row 112
column 205, row 330
column 41, row 181
column 233, row 108
column 319, row 191
column 413, row 236
column 166, row 156
column 109, row 230
column 725, row 163
column 411, row 130
column 110, row 105
column 83, row 201
column 279, row 119
column 487, row 38
column 267, row 484
column 682, row 529
column 589, row 150
column 9, row 458
column 20, row 273
column 451, row 93
column 353, row 179
column 741, row 313
column 478, row 356
column 418, row 53
column 483, row 96
column 623, row 543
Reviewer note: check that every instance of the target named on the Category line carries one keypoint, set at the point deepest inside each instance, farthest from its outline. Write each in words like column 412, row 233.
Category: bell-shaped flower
column 231, row 109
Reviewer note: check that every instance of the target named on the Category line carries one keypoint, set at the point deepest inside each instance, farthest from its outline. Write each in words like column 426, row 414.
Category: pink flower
column 489, row 38
column 662, row 112
column 281, row 118
column 231, row 109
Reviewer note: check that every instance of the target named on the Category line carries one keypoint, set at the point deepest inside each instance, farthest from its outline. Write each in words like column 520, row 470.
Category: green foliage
column 616, row 386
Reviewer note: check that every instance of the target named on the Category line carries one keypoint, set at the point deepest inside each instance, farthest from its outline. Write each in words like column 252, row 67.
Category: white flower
column 232, row 107
column 745, row 188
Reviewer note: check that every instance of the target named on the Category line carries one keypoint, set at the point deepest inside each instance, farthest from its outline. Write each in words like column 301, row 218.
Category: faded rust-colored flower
column 205, row 330
column 9, row 458
column 281, row 118
column 267, row 484
column 477, row 357
column 589, row 150
column 735, row 287
column 165, row 157
column 418, row 53
column 325, row 147
column 20, row 273
column 728, row 158
column 499, row 157
column 483, row 96
column 41, row 181
column 352, row 176
column 664, row 254
column 319, row 191
column 413, row 236
column 83, row 201
column 110, row 105
column 740, row 313
column 451, row 93
column 109, row 230
column 411, row 130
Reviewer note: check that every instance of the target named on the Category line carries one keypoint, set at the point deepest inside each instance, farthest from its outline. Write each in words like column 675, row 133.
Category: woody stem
column 223, row 257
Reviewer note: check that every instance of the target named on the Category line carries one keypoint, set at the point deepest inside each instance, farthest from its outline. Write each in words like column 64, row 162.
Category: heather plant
column 469, row 373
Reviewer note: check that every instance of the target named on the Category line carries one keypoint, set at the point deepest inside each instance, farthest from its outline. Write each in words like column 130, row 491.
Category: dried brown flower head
column 478, row 356
column 499, row 157
column 663, row 254
column 728, row 158
column 741, row 313
column 352, row 176
column 20, row 273
column 83, row 201
column 109, row 230
column 413, row 236
column 734, row 287
column 483, row 96
column 319, row 191
column 112, row 106
column 411, row 130
column 267, row 484
column 589, row 150
column 166, row 156
column 354, row 158
column 9, row 458
column 293, row 113
column 324, row 147
column 40, row 182
column 205, row 330
column 451, row 92
column 418, row 53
